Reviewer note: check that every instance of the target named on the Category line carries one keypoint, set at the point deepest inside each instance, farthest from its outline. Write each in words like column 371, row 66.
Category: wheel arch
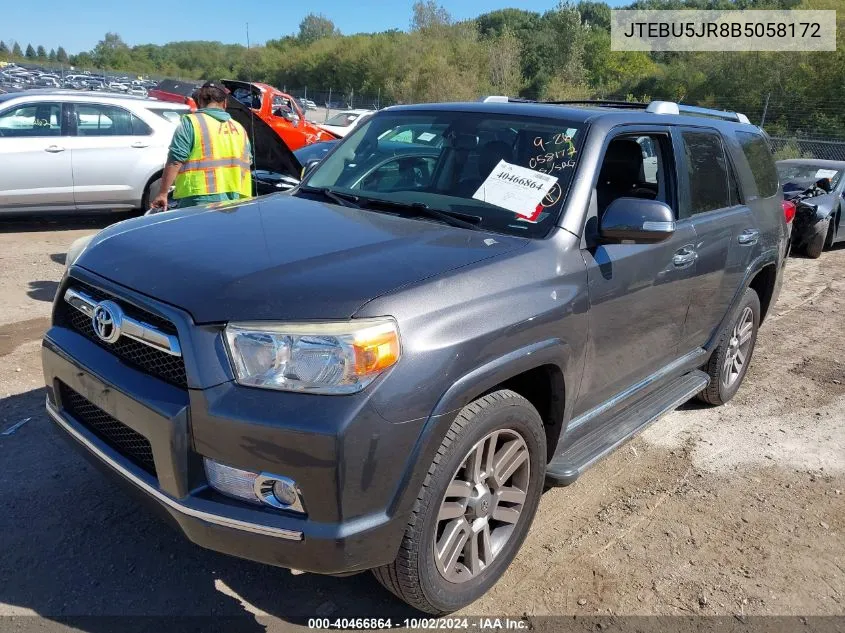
column 538, row 372
column 156, row 174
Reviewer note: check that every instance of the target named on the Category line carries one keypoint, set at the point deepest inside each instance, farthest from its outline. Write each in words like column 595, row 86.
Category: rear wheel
column 475, row 506
column 150, row 192
column 821, row 238
column 729, row 362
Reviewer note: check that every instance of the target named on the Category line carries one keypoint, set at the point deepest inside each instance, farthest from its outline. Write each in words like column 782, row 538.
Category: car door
column 110, row 148
column 639, row 293
column 36, row 162
column 726, row 234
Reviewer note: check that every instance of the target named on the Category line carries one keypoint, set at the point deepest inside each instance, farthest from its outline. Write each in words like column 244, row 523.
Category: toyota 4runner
column 460, row 305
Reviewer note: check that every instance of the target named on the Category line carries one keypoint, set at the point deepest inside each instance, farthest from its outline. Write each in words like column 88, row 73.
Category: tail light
column 788, row 210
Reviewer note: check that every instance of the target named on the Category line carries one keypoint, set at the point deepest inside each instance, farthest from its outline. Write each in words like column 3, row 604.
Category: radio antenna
column 251, row 88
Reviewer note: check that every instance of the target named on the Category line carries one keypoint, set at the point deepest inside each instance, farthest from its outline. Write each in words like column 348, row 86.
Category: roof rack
column 670, row 107
column 655, row 107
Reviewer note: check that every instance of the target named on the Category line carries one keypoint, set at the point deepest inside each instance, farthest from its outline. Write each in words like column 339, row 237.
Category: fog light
column 272, row 490
column 279, row 492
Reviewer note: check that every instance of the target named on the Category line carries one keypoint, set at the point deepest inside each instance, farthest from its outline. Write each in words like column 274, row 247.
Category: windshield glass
column 804, row 175
column 511, row 172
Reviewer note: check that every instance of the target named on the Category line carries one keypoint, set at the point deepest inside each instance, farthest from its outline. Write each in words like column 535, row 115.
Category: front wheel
column 150, row 192
column 729, row 362
column 475, row 506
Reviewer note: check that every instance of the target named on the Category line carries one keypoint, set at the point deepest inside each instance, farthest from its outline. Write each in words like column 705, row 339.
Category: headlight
column 328, row 358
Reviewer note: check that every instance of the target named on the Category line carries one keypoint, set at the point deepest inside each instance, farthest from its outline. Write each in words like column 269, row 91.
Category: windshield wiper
column 452, row 218
column 344, row 200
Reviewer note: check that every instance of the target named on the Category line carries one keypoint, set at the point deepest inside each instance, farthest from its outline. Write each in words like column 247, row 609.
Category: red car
column 278, row 110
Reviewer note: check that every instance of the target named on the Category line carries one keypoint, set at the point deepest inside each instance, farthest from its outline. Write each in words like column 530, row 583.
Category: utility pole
column 765, row 110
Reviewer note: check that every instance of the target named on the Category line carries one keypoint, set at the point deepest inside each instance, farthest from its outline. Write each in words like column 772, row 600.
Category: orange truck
column 278, row 110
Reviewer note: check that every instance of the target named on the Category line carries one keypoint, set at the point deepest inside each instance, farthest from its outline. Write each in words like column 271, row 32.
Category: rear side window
column 105, row 120
column 759, row 157
column 174, row 115
column 707, row 172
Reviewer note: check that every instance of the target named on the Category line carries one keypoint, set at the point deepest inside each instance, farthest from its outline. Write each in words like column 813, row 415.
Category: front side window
column 172, row 115
column 465, row 163
column 707, row 172
column 32, row 120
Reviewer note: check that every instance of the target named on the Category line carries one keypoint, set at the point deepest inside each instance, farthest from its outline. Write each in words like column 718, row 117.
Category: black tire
column 150, row 192
column 718, row 391
column 414, row 576
column 822, row 233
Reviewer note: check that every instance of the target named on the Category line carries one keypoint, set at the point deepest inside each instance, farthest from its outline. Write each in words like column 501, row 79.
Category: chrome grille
column 147, row 358
column 126, row 441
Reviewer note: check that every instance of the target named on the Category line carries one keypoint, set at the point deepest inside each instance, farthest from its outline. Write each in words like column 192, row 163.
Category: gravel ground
column 735, row 511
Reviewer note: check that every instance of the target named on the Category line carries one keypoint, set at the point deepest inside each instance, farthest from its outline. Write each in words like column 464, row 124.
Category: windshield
column 804, row 175
column 511, row 172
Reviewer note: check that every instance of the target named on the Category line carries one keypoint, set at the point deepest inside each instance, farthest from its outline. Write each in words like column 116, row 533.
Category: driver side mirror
column 637, row 220
column 309, row 166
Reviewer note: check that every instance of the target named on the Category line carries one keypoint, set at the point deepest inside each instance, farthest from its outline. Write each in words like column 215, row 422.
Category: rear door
column 726, row 235
column 111, row 149
column 36, row 161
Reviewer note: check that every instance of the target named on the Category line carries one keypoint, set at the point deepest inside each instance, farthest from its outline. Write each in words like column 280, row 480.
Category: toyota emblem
column 107, row 319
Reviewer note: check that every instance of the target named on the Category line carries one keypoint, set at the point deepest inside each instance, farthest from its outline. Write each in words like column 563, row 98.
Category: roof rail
column 655, row 107
column 670, row 107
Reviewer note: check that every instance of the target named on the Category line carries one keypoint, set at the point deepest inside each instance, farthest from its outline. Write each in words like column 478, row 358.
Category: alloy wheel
column 738, row 348
column 482, row 505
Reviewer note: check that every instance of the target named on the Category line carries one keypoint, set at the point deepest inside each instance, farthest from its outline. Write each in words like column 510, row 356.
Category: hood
column 269, row 150
column 280, row 257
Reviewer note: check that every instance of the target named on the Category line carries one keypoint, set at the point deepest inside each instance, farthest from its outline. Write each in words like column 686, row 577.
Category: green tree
column 427, row 15
column 30, row 52
column 112, row 52
column 52, row 55
column 4, row 50
column 41, row 54
column 16, row 51
column 316, row 27
column 61, row 55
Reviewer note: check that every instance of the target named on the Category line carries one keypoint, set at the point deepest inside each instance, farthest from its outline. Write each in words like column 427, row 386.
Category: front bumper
column 163, row 414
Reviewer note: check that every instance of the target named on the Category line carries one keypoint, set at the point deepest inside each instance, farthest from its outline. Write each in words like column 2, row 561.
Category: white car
column 63, row 150
column 344, row 122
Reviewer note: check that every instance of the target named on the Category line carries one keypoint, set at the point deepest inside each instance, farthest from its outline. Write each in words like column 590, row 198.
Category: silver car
column 63, row 150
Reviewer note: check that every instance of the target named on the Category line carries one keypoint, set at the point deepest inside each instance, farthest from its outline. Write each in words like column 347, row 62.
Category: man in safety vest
column 209, row 157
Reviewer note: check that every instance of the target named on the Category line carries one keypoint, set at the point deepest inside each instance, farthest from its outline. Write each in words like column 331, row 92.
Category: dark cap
column 215, row 84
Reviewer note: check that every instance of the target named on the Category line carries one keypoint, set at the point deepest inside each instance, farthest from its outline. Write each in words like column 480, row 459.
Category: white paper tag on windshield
column 516, row 189
column 826, row 173
column 425, row 137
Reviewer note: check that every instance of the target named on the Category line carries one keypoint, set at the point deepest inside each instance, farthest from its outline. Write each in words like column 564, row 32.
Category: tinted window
column 756, row 150
column 32, row 120
column 707, row 172
column 174, row 116
column 104, row 120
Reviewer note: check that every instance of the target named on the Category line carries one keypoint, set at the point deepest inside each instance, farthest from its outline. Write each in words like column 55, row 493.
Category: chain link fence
column 807, row 148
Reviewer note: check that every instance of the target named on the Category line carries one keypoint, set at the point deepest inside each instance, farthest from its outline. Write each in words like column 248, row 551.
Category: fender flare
column 463, row 391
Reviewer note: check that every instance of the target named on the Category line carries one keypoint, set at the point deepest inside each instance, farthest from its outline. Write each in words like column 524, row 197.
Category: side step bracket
column 567, row 466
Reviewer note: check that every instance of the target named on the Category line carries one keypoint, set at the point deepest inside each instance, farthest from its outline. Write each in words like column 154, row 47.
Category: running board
column 566, row 467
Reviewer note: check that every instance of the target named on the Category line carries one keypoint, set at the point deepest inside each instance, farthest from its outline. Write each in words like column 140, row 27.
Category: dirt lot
column 738, row 510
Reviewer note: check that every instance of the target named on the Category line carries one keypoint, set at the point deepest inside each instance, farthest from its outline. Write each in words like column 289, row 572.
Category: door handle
column 139, row 145
column 54, row 149
column 684, row 256
column 748, row 237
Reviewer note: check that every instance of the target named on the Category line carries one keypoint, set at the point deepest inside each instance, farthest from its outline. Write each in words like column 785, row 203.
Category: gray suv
column 460, row 305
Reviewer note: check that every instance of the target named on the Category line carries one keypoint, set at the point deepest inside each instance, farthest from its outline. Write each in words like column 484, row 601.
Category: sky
column 80, row 24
